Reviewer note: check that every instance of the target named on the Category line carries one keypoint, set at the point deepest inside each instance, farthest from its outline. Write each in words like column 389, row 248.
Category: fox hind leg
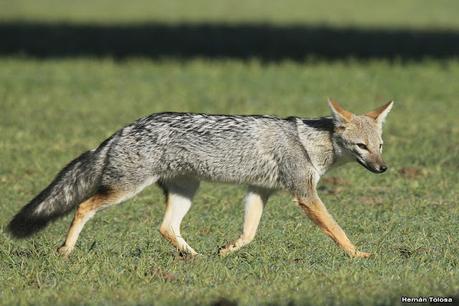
column 179, row 195
column 84, row 213
column 255, row 201
column 87, row 209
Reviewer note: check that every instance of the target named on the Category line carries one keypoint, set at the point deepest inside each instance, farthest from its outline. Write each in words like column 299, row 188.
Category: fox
column 176, row 151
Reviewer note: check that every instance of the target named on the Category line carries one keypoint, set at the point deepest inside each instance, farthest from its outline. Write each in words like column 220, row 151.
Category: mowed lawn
column 53, row 109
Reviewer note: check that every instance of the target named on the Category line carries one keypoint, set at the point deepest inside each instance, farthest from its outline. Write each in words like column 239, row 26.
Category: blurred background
column 265, row 30
column 73, row 72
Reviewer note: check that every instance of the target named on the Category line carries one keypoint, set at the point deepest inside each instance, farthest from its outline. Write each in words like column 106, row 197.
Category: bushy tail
column 72, row 185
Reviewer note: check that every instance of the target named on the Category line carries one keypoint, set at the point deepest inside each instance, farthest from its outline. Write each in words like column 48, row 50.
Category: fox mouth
column 366, row 166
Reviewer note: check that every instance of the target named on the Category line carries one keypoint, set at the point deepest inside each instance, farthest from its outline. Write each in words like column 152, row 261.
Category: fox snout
column 375, row 167
column 380, row 169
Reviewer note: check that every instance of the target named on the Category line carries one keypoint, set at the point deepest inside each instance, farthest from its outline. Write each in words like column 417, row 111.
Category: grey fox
column 178, row 150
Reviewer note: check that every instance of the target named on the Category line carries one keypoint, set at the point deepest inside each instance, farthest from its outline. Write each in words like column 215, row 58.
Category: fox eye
column 362, row 146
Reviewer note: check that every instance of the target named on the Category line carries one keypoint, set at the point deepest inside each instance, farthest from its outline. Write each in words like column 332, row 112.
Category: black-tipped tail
column 23, row 226
column 74, row 184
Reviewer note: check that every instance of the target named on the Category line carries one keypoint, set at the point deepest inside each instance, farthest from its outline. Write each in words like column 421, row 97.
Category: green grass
column 389, row 13
column 52, row 110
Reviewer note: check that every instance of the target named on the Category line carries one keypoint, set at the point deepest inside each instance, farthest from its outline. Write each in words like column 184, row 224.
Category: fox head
column 360, row 136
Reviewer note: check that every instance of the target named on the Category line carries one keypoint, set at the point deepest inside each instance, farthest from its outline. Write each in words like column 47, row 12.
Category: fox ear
column 381, row 112
column 340, row 115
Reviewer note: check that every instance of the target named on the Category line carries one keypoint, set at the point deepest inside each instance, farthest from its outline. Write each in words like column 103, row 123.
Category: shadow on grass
column 266, row 42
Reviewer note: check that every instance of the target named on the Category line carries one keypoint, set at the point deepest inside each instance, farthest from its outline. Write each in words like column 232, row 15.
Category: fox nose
column 382, row 168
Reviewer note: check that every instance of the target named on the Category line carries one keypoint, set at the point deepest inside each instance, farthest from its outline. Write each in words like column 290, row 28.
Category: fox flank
column 178, row 150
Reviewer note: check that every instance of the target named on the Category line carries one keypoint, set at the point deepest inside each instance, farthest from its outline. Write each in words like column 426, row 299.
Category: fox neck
column 341, row 155
column 317, row 138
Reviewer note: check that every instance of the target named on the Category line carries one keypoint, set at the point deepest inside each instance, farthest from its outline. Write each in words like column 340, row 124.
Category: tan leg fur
column 86, row 211
column 317, row 212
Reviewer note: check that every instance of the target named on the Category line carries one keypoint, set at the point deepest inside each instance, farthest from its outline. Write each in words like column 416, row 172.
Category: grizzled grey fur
column 262, row 151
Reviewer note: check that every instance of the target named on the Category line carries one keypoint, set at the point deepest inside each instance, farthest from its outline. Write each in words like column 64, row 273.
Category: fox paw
column 187, row 254
column 358, row 254
column 227, row 249
column 64, row 251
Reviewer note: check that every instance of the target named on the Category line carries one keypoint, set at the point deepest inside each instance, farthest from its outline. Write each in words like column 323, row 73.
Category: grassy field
column 52, row 109
column 390, row 13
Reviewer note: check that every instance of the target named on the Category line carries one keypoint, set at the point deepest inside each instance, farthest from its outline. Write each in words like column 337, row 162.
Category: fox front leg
column 318, row 213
